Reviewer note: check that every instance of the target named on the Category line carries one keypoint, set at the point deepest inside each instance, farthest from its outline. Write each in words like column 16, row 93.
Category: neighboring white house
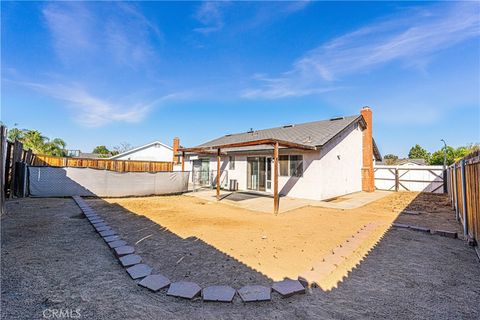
column 340, row 160
column 153, row 151
column 404, row 162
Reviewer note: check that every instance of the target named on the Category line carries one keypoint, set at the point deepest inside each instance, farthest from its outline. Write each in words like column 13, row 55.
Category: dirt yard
column 302, row 242
column 53, row 259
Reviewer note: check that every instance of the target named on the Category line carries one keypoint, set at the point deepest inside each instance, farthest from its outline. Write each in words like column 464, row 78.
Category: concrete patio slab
column 263, row 202
column 154, row 282
column 184, row 289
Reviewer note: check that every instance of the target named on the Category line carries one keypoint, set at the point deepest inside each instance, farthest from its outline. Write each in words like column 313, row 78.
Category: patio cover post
column 183, row 160
column 275, row 179
column 218, row 174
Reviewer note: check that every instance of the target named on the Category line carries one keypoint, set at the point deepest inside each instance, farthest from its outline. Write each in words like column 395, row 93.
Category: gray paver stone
column 139, row 271
column 218, row 293
column 154, row 282
column 288, row 287
column 184, row 289
column 255, row 293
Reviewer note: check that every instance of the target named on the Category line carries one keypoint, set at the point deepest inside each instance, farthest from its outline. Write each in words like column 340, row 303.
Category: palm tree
column 15, row 134
column 39, row 144
column 33, row 140
column 56, row 147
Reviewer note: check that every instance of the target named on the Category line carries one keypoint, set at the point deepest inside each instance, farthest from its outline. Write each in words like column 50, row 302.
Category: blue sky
column 98, row 73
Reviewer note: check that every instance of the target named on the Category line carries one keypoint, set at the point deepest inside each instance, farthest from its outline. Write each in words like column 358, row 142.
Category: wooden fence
column 464, row 192
column 3, row 154
column 14, row 158
column 106, row 164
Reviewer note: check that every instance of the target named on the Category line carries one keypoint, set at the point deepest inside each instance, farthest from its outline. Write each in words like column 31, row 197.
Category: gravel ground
column 52, row 259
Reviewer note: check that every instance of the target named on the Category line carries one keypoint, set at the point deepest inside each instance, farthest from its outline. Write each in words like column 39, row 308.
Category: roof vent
column 228, row 135
column 288, row 126
column 338, row 118
column 250, row 131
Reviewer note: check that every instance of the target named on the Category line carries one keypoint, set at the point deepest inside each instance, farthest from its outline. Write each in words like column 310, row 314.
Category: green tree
column 437, row 157
column 15, row 133
column 417, row 152
column 390, row 158
column 35, row 141
column 56, row 147
column 101, row 150
column 38, row 143
column 453, row 154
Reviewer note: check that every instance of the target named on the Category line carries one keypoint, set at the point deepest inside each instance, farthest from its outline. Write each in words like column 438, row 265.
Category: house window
column 231, row 163
column 283, row 166
column 296, row 166
column 291, row 166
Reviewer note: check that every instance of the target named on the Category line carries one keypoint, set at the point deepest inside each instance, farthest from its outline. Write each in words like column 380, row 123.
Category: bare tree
column 122, row 147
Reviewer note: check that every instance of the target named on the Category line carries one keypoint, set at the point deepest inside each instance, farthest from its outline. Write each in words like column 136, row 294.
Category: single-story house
column 153, row 151
column 315, row 160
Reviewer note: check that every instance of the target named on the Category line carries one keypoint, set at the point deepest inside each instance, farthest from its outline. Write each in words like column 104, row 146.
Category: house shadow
column 173, row 256
column 169, row 254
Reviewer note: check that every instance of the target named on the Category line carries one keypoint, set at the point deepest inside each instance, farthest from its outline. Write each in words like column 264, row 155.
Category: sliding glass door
column 257, row 173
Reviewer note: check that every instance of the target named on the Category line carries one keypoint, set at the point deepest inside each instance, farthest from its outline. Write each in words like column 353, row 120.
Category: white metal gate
column 409, row 178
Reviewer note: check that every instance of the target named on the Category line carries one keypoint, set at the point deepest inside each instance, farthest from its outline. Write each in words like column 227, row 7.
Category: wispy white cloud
column 94, row 111
column 272, row 11
column 71, row 26
column 82, row 31
column 101, row 45
column 408, row 37
column 210, row 15
column 275, row 88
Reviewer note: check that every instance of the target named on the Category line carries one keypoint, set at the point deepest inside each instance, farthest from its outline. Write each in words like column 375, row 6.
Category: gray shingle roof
column 315, row 133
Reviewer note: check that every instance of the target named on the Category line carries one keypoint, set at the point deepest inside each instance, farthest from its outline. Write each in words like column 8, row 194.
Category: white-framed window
column 291, row 166
column 231, row 163
column 296, row 166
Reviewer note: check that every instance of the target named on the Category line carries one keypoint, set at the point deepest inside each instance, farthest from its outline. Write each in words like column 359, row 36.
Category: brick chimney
column 368, row 179
column 176, row 144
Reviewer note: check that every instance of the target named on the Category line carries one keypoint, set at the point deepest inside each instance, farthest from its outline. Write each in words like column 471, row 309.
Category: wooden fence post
column 3, row 154
column 464, row 198
column 455, row 191
column 17, row 156
column 8, row 164
column 451, row 186
column 397, row 181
